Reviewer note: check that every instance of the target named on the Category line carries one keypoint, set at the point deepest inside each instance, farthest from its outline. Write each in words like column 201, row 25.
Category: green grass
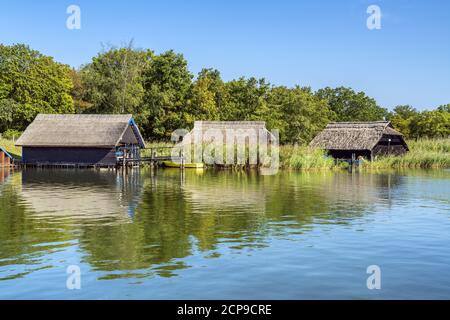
column 304, row 158
column 424, row 153
column 9, row 146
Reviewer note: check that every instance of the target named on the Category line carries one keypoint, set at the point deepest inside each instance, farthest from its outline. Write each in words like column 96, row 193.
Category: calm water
column 224, row 235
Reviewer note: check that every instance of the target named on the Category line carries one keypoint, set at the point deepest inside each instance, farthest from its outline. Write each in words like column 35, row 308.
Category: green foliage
column 113, row 81
column 246, row 99
column 425, row 124
column 167, row 83
column 78, row 93
column 349, row 105
column 159, row 90
column 297, row 113
column 304, row 158
column 31, row 83
column 401, row 119
column 11, row 134
column 444, row 108
column 207, row 97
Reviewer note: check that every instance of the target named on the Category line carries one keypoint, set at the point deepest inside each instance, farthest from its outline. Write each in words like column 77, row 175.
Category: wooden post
column 182, row 160
column 2, row 158
column 389, row 146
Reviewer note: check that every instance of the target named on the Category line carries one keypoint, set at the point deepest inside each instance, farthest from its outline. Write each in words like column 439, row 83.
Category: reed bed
column 423, row 153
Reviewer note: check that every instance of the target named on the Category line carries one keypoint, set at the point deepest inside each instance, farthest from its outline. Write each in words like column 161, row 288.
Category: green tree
column 431, row 124
column 247, row 99
column 31, row 83
column 349, row 105
column 207, row 97
column 78, row 93
column 444, row 107
column 113, row 81
column 401, row 118
column 298, row 114
column 167, row 84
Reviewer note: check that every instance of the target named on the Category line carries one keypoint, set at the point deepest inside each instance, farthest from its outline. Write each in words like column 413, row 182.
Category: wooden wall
column 5, row 161
column 347, row 154
column 396, row 146
column 69, row 155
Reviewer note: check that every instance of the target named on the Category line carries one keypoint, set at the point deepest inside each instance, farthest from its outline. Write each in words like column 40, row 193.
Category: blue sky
column 311, row 43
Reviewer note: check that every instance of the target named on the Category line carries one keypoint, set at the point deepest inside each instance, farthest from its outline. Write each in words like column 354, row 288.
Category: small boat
column 171, row 164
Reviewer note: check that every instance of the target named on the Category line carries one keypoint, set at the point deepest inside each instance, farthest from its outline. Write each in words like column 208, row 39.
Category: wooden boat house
column 80, row 140
column 351, row 140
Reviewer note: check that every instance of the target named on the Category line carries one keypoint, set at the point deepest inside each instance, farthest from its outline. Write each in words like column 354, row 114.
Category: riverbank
column 423, row 153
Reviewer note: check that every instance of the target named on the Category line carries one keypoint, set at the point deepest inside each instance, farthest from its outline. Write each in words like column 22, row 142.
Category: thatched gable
column 354, row 135
column 75, row 130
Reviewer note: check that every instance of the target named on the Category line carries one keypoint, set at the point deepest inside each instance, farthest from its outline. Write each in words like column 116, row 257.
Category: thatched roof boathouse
column 347, row 140
column 80, row 140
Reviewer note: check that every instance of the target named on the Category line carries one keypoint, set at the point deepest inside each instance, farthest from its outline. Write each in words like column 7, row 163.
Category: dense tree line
column 163, row 95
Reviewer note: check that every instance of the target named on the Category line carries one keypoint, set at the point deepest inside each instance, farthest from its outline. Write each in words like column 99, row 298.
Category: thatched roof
column 238, row 128
column 75, row 130
column 352, row 135
column 223, row 125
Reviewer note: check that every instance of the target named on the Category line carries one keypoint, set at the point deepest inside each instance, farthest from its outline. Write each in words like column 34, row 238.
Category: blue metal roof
column 136, row 132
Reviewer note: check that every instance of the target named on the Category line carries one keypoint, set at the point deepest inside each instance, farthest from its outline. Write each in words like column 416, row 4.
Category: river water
column 224, row 234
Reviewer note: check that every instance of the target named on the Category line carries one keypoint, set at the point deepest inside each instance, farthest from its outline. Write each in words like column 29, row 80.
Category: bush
column 11, row 134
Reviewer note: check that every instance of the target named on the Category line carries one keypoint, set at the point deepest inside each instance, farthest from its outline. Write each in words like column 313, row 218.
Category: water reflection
column 81, row 195
column 144, row 223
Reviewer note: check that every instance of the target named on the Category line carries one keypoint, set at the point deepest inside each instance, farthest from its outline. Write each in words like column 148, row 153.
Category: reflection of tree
column 143, row 221
column 235, row 209
column 23, row 239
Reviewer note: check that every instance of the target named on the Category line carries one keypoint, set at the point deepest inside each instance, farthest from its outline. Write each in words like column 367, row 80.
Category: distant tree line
column 163, row 95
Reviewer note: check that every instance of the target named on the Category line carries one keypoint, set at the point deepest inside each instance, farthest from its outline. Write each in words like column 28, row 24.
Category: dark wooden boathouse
column 80, row 140
column 351, row 140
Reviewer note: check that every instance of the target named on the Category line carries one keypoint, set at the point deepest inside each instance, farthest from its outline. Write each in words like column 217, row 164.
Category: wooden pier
column 155, row 159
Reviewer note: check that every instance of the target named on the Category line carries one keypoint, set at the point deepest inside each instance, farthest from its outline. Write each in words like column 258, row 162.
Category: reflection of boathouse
column 83, row 194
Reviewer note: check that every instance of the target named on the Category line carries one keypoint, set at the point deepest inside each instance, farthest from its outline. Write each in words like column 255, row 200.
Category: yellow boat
column 171, row 164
